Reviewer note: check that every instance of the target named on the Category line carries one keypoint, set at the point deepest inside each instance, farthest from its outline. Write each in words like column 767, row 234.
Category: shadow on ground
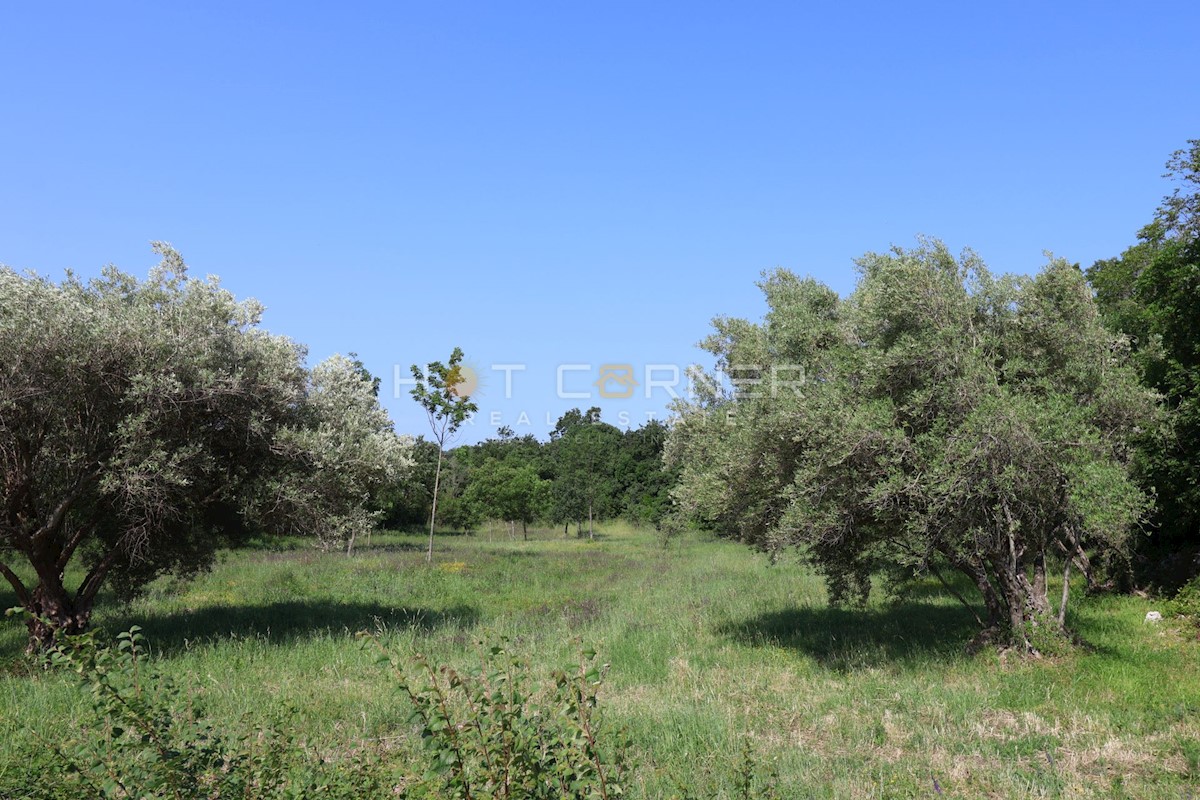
column 283, row 622
column 277, row 623
column 311, row 554
column 364, row 547
column 906, row 634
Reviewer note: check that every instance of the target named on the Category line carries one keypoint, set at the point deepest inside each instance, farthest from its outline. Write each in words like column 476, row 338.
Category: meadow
column 712, row 651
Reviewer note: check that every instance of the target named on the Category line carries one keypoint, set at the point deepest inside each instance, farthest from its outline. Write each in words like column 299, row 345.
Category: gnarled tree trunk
column 51, row 607
column 52, row 612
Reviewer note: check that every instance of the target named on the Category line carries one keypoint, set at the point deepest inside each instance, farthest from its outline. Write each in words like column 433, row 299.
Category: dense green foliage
column 1151, row 293
column 583, row 457
column 505, row 491
column 489, row 735
column 588, row 470
column 949, row 419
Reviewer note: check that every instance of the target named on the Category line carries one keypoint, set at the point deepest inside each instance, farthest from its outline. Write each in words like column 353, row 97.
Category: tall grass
column 710, row 649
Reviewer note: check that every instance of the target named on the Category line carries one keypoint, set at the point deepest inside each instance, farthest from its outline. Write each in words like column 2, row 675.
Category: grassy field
column 709, row 646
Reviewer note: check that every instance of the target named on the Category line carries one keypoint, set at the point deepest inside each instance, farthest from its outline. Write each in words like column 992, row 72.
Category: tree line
column 588, row 470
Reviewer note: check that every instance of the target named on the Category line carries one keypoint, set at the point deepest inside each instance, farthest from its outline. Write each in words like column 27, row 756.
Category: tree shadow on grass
column 284, row 622
column 13, row 636
column 271, row 551
column 903, row 635
column 277, row 623
column 365, row 548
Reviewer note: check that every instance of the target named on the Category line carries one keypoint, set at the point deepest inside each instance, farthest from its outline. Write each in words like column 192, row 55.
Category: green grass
column 708, row 645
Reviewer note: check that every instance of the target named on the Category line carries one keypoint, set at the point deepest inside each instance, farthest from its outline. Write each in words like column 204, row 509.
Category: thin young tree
column 443, row 393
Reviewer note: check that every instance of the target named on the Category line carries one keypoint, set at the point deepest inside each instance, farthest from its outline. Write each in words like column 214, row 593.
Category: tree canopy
column 586, row 465
column 145, row 424
column 1151, row 294
column 583, row 457
column 946, row 419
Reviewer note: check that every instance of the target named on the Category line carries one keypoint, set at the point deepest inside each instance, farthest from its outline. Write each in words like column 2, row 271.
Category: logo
column 616, row 381
column 464, row 381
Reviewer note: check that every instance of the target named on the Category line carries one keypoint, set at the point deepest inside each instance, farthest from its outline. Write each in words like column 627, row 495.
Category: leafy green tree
column 1151, row 293
column 1179, row 215
column 507, row 446
column 350, row 452
column 583, row 453
column 143, row 425
column 947, row 420
column 439, row 390
column 644, row 480
column 572, row 419
column 405, row 504
column 507, row 491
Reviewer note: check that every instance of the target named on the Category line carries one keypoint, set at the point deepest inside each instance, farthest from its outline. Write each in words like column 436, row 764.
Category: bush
column 1186, row 602
column 489, row 735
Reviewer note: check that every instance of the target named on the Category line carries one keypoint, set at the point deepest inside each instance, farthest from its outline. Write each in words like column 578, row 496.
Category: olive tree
column 347, row 454
column 940, row 418
column 144, row 424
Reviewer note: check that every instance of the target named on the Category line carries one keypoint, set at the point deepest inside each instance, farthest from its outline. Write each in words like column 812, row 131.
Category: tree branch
column 68, row 550
column 55, row 521
column 1066, row 592
column 95, row 578
column 1073, row 550
column 953, row 591
column 18, row 587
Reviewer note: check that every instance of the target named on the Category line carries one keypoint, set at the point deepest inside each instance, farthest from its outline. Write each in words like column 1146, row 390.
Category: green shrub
column 1186, row 602
column 489, row 735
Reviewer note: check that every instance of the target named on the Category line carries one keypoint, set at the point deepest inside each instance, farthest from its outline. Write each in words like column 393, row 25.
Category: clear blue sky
column 573, row 183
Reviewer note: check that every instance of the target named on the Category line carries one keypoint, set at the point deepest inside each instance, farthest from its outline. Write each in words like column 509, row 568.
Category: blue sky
column 570, row 183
